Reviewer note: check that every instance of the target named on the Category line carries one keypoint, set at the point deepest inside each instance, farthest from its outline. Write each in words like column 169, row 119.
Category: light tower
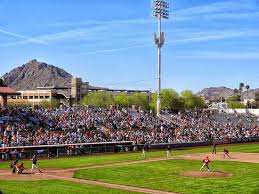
column 160, row 10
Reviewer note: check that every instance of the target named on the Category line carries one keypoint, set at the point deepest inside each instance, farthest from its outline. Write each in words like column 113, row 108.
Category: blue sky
column 110, row 43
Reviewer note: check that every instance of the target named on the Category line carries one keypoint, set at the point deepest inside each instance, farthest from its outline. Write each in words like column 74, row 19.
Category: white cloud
column 94, row 30
column 232, row 9
column 194, row 37
column 218, row 7
column 113, row 49
column 29, row 39
column 75, row 34
column 213, row 35
column 223, row 55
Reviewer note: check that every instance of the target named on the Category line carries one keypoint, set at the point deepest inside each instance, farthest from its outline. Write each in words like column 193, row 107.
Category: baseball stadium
column 125, row 121
column 138, row 153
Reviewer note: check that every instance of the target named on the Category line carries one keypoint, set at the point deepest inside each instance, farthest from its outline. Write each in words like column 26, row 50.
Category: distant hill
column 214, row 93
column 36, row 74
column 39, row 74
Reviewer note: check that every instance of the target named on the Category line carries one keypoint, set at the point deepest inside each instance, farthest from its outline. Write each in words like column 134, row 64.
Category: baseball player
column 20, row 168
column 13, row 166
column 205, row 163
column 144, row 150
column 34, row 164
column 214, row 150
column 168, row 151
column 226, row 153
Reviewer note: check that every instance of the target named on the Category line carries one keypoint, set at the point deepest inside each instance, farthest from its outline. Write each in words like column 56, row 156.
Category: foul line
column 111, row 185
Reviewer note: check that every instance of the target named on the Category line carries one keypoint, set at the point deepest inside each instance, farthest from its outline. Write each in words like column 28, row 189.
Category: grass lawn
column 245, row 148
column 73, row 162
column 53, row 187
column 164, row 175
column 152, row 175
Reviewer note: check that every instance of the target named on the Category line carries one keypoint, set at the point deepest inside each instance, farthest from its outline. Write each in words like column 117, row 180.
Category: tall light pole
column 160, row 10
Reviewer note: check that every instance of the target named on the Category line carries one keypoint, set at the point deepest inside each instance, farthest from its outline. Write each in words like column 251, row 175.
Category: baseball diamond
column 123, row 97
column 120, row 173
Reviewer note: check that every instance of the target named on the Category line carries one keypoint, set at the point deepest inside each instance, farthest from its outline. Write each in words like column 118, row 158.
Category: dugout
column 8, row 153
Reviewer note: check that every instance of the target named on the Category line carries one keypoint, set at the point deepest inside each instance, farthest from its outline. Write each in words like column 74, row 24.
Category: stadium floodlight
column 160, row 11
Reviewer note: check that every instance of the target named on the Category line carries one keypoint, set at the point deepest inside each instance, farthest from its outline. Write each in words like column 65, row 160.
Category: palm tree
column 241, row 86
column 235, row 91
column 247, row 88
column 238, row 92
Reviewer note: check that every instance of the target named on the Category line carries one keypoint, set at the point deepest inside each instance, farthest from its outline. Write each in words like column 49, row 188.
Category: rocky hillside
column 36, row 74
column 214, row 93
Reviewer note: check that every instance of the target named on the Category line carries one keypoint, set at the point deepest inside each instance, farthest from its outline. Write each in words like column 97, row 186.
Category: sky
column 110, row 43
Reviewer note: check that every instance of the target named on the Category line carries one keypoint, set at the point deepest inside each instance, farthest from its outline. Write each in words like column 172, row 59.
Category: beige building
column 78, row 90
column 5, row 93
column 31, row 97
column 68, row 96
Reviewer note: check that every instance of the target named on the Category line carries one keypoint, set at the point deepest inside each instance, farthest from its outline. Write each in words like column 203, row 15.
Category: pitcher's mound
column 205, row 174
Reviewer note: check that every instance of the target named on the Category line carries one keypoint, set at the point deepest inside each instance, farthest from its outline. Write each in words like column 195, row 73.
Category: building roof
column 8, row 91
column 94, row 88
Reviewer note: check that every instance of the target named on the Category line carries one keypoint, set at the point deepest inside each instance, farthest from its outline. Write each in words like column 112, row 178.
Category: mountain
column 36, row 74
column 39, row 74
column 215, row 93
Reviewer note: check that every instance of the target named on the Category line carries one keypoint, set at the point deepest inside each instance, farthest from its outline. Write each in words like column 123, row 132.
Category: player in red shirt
column 205, row 163
column 20, row 168
column 226, row 153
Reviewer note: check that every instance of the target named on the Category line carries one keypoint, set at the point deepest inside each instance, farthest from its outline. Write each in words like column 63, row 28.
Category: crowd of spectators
column 206, row 125
column 26, row 126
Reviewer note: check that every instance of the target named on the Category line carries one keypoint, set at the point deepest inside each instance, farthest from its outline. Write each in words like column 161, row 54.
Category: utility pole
column 160, row 11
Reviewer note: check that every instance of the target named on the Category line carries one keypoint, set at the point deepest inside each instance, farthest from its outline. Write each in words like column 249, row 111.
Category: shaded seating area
column 6, row 91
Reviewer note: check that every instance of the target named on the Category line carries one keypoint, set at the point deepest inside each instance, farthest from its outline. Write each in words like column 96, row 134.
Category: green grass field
column 163, row 175
column 74, row 162
column 53, row 187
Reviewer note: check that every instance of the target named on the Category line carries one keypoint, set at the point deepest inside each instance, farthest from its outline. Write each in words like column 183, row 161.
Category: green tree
column 169, row 97
column 233, row 98
column 169, row 100
column 98, row 99
column 123, row 100
column 241, row 86
column 256, row 102
column 140, row 100
column 236, row 91
column 239, row 91
column 191, row 100
column 235, row 105
column 247, row 87
column 54, row 103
